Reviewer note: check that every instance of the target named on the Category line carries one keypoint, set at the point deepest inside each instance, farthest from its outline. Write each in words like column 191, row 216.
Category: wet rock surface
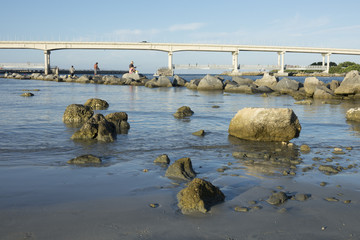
column 353, row 114
column 96, row 128
column 85, row 159
column 278, row 198
column 199, row 196
column 183, row 112
column 119, row 119
column 76, row 114
column 162, row 159
column 181, row 169
column 96, row 104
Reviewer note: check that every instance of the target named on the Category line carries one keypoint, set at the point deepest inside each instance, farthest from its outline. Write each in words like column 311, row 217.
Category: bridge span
column 171, row 48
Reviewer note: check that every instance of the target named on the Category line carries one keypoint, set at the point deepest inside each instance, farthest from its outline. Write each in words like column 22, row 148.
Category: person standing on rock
column 131, row 67
column 72, row 71
column 96, row 68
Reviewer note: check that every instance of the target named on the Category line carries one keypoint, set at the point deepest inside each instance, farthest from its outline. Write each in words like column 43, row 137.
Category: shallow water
column 35, row 144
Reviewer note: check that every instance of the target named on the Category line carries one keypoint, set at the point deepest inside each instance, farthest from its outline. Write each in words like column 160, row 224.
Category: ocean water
column 35, row 144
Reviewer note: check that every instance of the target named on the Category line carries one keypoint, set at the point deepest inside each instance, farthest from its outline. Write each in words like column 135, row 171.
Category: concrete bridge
column 171, row 48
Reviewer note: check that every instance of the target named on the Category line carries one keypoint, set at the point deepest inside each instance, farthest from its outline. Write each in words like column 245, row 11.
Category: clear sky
column 331, row 23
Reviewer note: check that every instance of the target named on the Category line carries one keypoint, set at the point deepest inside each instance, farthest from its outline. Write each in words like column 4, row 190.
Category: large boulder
column 287, row 85
column 97, row 104
column 119, row 119
column 210, row 83
column 265, row 124
column 183, row 112
column 350, row 85
column 310, row 85
column 77, row 114
column 323, row 93
column 193, row 84
column 181, row 169
column 353, row 114
column 178, row 81
column 131, row 76
column 199, row 196
column 240, row 88
column 267, row 80
column 96, row 128
column 242, row 81
column 162, row 81
column 84, row 79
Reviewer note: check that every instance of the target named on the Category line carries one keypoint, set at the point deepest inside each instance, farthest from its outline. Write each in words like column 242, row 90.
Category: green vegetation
column 344, row 67
column 332, row 64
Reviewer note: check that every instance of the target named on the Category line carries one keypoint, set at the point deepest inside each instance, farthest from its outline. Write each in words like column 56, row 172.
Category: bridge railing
column 21, row 66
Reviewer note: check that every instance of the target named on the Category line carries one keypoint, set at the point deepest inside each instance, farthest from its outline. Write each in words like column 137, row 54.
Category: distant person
column 131, row 67
column 72, row 71
column 96, row 68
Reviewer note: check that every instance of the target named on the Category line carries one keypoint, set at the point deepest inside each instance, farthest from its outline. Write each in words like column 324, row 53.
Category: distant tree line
column 344, row 67
column 332, row 64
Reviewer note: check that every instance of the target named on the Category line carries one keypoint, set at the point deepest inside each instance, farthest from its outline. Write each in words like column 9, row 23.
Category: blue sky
column 333, row 24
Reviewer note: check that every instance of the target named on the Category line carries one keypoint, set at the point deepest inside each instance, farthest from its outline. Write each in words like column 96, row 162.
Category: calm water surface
column 35, row 144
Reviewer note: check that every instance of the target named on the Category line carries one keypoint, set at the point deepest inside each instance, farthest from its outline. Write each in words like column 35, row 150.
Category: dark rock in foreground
column 181, row 169
column 119, row 119
column 76, row 114
column 183, row 112
column 353, row 114
column 85, row 159
column 277, row 198
column 199, row 196
column 96, row 128
column 163, row 159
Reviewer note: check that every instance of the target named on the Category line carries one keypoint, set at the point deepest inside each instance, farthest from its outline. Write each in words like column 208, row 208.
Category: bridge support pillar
column 47, row 62
column 328, row 63
column 281, row 61
column 170, row 61
column 235, row 61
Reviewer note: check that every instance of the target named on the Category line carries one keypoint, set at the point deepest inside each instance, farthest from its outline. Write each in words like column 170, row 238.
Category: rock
column 97, row 104
column 76, row 114
column 264, row 89
column 199, row 133
column 162, row 81
column 193, row 84
column 322, row 92
column 181, row 169
column 287, row 85
column 334, row 85
column 267, row 80
column 329, row 169
column 178, row 81
column 301, row 197
column 310, row 85
column 305, row 148
column 199, row 196
column 131, row 76
column 265, row 124
column 242, row 81
column 304, row 102
column 84, row 79
column 234, row 87
column 119, row 119
column 27, row 94
column 96, row 128
column 210, row 83
column 277, row 198
column 85, row 159
column 162, row 159
column 350, row 85
column 183, row 112
column 353, row 114
column 241, row 209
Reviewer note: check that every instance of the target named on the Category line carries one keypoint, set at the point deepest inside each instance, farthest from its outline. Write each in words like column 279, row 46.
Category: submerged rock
column 85, row 159
column 199, row 133
column 97, row 104
column 27, row 94
column 76, row 114
column 183, row 112
column 181, row 169
column 96, row 128
column 199, row 196
column 265, row 124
